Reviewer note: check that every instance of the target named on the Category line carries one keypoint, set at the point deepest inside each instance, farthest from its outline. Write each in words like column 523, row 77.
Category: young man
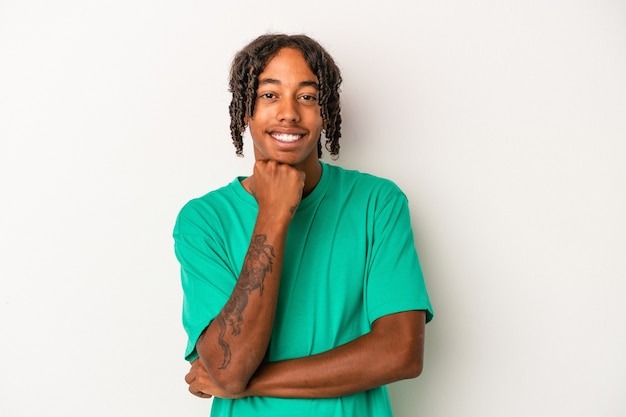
column 303, row 294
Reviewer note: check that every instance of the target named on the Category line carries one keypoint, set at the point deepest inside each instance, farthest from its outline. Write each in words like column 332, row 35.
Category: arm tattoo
column 256, row 265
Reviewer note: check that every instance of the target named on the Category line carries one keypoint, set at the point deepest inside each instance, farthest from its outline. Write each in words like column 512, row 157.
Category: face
column 286, row 123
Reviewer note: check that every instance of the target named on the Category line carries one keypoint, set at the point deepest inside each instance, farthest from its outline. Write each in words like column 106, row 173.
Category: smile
column 286, row 137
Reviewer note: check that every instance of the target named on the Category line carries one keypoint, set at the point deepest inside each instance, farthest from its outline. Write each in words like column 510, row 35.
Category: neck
column 313, row 176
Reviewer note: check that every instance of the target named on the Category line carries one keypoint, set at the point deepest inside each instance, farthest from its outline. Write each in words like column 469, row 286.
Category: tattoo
column 256, row 265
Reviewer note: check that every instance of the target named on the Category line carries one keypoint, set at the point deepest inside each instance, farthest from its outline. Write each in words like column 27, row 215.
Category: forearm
column 392, row 351
column 234, row 344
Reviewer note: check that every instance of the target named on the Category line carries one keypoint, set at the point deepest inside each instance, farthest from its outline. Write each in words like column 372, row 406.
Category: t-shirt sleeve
column 395, row 282
column 207, row 280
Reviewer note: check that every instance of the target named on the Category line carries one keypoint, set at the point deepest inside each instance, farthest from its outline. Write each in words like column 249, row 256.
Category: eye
column 308, row 97
column 268, row 96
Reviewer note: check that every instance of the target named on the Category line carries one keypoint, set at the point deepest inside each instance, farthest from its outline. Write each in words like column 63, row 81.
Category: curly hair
column 250, row 62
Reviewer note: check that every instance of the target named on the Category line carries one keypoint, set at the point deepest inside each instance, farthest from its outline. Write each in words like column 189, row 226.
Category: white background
column 504, row 122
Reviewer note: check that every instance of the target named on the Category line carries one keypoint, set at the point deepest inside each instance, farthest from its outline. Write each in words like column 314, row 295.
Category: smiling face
column 286, row 124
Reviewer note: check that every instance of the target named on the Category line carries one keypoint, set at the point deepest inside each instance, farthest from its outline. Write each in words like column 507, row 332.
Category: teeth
column 284, row 137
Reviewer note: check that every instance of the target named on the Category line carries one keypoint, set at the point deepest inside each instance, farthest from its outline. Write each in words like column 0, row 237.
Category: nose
column 288, row 110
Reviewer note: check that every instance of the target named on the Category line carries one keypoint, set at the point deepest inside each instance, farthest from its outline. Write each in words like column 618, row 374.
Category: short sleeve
column 395, row 282
column 207, row 280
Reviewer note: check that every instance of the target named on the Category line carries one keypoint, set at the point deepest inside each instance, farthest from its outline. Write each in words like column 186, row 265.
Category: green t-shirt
column 349, row 259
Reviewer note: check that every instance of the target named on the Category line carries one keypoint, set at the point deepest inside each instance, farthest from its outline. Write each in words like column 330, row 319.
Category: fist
column 277, row 188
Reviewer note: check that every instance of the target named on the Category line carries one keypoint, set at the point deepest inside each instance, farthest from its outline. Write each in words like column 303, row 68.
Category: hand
column 201, row 385
column 199, row 382
column 277, row 188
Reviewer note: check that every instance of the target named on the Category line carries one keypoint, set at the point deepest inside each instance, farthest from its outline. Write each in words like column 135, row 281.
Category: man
column 303, row 294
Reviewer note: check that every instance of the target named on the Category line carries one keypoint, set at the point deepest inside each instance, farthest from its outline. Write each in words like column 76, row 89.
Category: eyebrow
column 302, row 84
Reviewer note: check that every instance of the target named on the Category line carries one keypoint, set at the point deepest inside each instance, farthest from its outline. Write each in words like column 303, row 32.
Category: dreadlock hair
column 244, row 77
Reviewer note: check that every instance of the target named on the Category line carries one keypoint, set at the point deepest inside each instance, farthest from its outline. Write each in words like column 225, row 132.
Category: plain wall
column 503, row 121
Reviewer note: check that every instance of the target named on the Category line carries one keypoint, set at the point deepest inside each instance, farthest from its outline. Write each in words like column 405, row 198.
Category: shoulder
column 363, row 183
column 207, row 201
column 201, row 210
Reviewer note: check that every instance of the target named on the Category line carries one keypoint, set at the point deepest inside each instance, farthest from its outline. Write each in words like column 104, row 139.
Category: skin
column 287, row 104
column 285, row 128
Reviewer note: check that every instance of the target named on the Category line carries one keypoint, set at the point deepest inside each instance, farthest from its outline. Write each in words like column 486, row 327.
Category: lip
column 287, row 136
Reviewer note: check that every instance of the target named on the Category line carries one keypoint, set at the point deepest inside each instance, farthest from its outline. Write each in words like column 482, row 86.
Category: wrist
column 273, row 221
